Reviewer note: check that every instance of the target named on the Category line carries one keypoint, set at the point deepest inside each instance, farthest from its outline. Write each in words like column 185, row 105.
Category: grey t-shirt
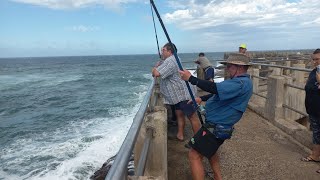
column 203, row 62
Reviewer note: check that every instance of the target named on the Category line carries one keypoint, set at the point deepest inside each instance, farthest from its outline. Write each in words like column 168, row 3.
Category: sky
column 31, row 28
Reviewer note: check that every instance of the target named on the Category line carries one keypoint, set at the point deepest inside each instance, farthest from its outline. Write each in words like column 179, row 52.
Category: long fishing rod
column 177, row 59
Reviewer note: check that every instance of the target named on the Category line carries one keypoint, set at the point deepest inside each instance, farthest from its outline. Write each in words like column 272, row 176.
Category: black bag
column 205, row 142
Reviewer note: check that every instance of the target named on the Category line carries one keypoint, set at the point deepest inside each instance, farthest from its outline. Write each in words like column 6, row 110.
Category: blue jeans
column 315, row 126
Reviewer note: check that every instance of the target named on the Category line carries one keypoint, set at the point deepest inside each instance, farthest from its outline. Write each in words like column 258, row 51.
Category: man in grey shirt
column 175, row 91
column 206, row 66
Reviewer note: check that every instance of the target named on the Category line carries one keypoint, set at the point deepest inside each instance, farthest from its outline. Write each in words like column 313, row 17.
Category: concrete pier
column 268, row 142
column 258, row 150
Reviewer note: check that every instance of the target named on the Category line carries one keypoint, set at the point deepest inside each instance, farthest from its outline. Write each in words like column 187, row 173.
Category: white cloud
column 82, row 28
column 220, row 25
column 198, row 14
column 73, row 4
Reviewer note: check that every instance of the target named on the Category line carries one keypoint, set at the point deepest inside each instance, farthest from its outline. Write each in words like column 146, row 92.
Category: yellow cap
column 244, row 46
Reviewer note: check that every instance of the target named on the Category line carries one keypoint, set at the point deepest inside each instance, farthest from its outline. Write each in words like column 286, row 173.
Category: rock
column 103, row 171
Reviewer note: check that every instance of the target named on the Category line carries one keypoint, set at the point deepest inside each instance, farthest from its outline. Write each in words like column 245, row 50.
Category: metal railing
column 144, row 153
column 283, row 67
column 259, row 77
column 285, row 84
column 294, row 86
column 263, row 96
column 295, row 110
column 282, row 60
column 118, row 170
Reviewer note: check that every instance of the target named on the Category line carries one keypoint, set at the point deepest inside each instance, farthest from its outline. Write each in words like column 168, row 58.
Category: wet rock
column 103, row 171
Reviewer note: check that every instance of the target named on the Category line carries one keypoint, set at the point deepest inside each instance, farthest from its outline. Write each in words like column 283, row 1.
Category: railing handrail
column 282, row 60
column 284, row 67
column 119, row 167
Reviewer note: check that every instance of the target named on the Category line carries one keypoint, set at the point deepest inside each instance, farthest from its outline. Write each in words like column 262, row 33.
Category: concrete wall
column 156, row 120
column 279, row 95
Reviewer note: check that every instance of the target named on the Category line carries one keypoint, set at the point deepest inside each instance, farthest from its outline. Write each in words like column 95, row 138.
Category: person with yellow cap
column 243, row 49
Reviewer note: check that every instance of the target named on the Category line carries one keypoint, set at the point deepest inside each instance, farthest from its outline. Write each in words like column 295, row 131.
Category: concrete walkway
column 257, row 150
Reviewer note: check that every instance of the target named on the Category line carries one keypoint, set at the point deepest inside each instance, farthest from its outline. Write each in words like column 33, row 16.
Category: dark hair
column 170, row 48
column 316, row 51
column 201, row 54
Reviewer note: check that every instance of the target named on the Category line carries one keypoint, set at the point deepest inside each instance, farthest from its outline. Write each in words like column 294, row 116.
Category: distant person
column 243, row 49
column 224, row 107
column 175, row 91
column 312, row 103
column 206, row 66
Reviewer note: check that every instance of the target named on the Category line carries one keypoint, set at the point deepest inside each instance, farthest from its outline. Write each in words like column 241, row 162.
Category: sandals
column 309, row 159
column 175, row 139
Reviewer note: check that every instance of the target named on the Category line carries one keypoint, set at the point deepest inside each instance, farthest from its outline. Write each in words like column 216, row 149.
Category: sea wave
column 73, row 151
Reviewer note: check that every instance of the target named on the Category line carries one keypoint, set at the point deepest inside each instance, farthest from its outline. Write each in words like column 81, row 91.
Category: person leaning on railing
column 312, row 103
column 174, row 90
column 224, row 107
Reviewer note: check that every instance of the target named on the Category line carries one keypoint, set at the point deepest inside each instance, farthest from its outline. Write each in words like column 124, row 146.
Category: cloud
column 199, row 14
column 82, row 28
column 75, row 4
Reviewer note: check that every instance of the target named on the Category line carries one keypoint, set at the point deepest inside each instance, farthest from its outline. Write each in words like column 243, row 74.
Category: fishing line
column 155, row 31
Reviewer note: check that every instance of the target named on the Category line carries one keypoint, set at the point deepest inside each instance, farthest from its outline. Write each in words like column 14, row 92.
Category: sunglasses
column 229, row 65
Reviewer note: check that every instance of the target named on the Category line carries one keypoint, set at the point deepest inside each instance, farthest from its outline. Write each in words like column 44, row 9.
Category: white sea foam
column 148, row 76
column 53, row 81
column 6, row 176
column 75, row 157
column 7, row 81
column 219, row 79
column 193, row 72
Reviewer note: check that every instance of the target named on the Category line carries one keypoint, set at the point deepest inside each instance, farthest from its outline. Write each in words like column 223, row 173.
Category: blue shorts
column 315, row 126
column 187, row 109
column 209, row 73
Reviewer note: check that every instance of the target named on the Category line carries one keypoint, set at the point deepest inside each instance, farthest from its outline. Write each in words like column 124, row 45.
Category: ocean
column 63, row 117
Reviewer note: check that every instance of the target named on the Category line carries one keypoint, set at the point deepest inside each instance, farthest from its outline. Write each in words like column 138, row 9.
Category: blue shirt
column 227, row 106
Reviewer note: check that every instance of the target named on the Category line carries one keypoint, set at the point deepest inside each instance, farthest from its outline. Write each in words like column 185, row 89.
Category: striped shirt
column 172, row 87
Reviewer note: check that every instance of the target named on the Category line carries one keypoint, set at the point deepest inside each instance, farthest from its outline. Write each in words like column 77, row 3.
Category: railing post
column 299, row 75
column 255, row 81
column 275, row 70
column 298, row 96
column 287, row 71
column 275, row 97
column 288, row 114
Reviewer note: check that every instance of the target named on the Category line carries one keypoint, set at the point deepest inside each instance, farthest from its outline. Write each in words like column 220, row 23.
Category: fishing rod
column 177, row 59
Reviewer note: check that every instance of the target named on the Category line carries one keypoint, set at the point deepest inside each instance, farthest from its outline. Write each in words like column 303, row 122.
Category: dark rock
column 103, row 171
